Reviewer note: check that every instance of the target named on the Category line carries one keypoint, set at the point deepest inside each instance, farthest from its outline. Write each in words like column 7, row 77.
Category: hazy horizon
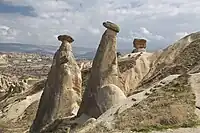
column 40, row 22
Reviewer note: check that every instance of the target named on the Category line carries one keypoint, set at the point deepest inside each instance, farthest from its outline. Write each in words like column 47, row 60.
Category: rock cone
column 62, row 89
column 104, row 71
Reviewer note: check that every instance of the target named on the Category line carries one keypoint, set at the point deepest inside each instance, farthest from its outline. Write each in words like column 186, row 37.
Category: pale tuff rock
column 140, row 45
column 181, row 57
column 141, row 111
column 3, row 59
column 62, row 90
column 108, row 96
column 104, row 71
column 16, row 109
column 10, row 86
column 133, row 68
column 84, row 65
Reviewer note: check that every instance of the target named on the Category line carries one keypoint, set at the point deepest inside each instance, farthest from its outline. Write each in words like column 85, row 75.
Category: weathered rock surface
column 140, row 45
column 133, row 68
column 168, row 95
column 109, row 95
column 15, row 109
column 104, row 71
column 181, row 57
column 3, row 60
column 10, row 86
column 170, row 103
column 62, row 90
column 111, row 26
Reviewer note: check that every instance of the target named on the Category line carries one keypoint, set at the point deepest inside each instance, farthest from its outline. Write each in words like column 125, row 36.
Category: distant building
column 39, row 60
column 28, row 60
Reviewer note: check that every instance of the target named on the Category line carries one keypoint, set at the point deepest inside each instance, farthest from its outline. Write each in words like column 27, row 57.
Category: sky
column 39, row 22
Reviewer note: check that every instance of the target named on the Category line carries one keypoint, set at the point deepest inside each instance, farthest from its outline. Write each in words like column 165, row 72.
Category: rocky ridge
column 150, row 91
column 170, row 101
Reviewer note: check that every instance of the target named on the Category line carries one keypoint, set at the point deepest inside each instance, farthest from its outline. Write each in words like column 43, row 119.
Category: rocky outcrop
column 133, row 68
column 104, row 71
column 170, row 103
column 62, row 90
column 108, row 96
column 3, row 59
column 140, row 45
column 181, row 57
column 16, row 110
column 10, row 86
column 85, row 64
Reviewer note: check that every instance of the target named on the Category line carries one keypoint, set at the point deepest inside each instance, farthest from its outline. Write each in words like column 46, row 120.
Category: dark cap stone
column 111, row 26
column 137, row 40
column 65, row 38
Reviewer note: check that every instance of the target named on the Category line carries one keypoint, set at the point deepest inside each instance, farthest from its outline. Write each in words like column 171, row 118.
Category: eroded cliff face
column 133, row 68
column 181, row 57
column 62, row 90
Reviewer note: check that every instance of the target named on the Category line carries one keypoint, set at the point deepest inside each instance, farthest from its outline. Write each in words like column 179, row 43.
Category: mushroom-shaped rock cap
column 65, row 38
column 111, row 26
column 139, row 43
column 137, row 40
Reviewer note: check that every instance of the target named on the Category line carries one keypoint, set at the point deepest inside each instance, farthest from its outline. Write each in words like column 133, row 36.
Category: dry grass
column 187, row 60
column 170, row 107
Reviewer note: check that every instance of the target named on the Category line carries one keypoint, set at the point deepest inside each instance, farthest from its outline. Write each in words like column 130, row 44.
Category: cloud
column 144, row 31
column 181, row 34
column 158, row 21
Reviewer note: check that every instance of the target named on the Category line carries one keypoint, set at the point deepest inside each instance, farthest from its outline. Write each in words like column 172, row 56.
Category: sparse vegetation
column 172, row 106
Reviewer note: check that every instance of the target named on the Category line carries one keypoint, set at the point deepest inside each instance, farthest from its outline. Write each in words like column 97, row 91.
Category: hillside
column 79, row 52
column 137, row 92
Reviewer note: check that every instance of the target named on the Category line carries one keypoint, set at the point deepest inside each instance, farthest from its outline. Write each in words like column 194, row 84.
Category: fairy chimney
column 140, row 45
column 104, row 71
column 62, row 91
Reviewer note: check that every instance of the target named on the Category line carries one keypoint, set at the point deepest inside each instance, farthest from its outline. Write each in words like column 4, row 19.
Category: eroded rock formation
column 62, row 90
column 104, row 71
column 140, row 45
column 3, row 59
column 10, row 85
column 109, row 95
column 179, row 58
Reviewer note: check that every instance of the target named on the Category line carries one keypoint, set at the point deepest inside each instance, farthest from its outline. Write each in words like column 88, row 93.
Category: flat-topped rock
column 111, row 26
column 65, row 38
column 139, row 43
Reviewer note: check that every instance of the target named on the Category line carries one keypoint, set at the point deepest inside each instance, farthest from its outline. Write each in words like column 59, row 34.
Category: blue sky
column 39, row 22
column 21, row 9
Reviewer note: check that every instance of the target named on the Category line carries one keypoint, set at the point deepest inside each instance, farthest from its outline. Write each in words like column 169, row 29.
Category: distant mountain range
column 79, row 52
